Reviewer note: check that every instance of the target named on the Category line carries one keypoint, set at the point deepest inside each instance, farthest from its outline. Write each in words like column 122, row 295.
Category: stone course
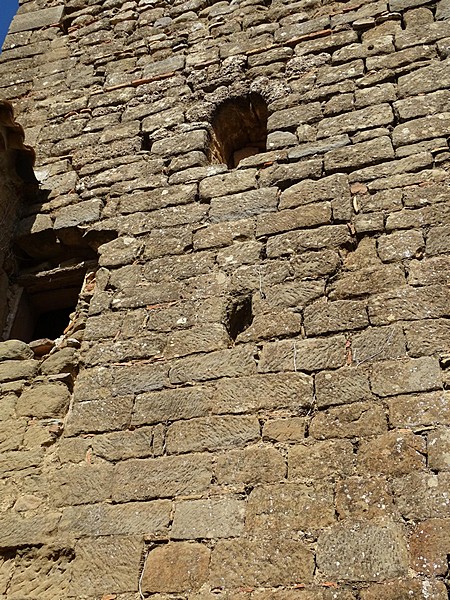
column 250, row 400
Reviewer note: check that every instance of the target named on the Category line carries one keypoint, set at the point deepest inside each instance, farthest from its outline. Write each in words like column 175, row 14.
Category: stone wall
column 250, row 399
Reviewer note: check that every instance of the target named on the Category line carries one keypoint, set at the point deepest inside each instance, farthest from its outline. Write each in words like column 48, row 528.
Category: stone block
column 321, row 460
column 290, row 430
column 146, row 519
column 373, row 116
column 211, row 433
column 20, row 462
column 17, row 530
column 413, row 589
column 45, row 400
column 429, row 271
column 108, row 564
column 17, row 369
column 208, row 519
column 15, row 350
column 315, row 264
column 382, row 547
column 223, row 234
column 80, row 484
column 417, row 410
column 173, row 404
column 233, row 182
column 62, row 361
column 289, row 506
column 353, row 420
column 407, row 303
column 394, row 453
column 223, row 363
column 308, row 355
column 327, row 236
column 243, row 205
column 292, row 117
column 430, row 547
column 364, row 498
column 262, row 392
column 120, row 445
column 102, row 414
column 424, row 128
column 401, row 377
column 37, row 19
column 400, row 245
column 439, row 449
column 249, row 466
column 438, row 240
column 309, row 190
column 260, row 562
column 78, row 214
column 330, row 317
column 422, row 495
column 285, row 220
column 359, row 155
column 343, row 386
column 12, row 433
column 146, row 479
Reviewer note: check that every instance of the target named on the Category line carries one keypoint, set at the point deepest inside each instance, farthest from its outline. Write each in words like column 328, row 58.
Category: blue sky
column 8, row 9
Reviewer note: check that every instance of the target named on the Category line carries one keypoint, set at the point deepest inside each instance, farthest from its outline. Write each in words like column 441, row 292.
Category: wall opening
column 43, row 302
column 239, row 130
column 239, row 316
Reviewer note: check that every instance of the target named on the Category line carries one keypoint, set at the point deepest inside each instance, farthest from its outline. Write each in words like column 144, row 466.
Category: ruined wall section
column 255, row 403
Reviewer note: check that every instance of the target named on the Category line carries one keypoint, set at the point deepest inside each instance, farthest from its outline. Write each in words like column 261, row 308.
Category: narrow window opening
column 44, row 302
column 239, row 130
column 239, row 316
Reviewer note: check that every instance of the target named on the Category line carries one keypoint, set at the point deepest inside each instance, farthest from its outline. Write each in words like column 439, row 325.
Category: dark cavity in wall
column 239, row 316
column 239, row 130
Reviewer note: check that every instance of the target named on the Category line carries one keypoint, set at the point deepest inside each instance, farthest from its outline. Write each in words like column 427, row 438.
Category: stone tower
column 225, row 239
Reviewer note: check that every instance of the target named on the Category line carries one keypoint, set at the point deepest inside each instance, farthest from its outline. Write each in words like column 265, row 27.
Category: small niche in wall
column 239, row 130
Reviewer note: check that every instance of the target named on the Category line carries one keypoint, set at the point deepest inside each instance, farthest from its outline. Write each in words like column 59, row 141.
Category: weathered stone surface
column 171, row 405
column 195, row 519
column 394, row 453
column 176, row 567
column 17, row 530
column 249, row 466
column 164, row 477
column 232, row 363
column 304, row 216
column 341, row 548
column 17, row 369
column 439, row 449
column 365, row 281
column 326, row 188
column 364, row 498
column 359, row 155
column 331, row 236
column 243, row 205
column 80, row 484
column 406, row 588
column 422, row 495
column 135, row 518
column 106, row 563
column 47, row 400
column 289, row 506
column 211, row 433
column 260, row 562
column 400, row 377
column 420, row 409
column 408, row 303
column 303, row 355
column 356, row 120
column 429, row 547
column 15, row 349
column 103, row 414
column 120, row 445
column 329, row 317
column 356, row 419
column 285, row 430
column 35, row 20
column 342, row 386
column 321, row 460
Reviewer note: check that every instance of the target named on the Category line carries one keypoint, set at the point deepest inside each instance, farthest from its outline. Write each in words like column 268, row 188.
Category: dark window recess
column 44, row 301
column 239, row 130
column 239, row 316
